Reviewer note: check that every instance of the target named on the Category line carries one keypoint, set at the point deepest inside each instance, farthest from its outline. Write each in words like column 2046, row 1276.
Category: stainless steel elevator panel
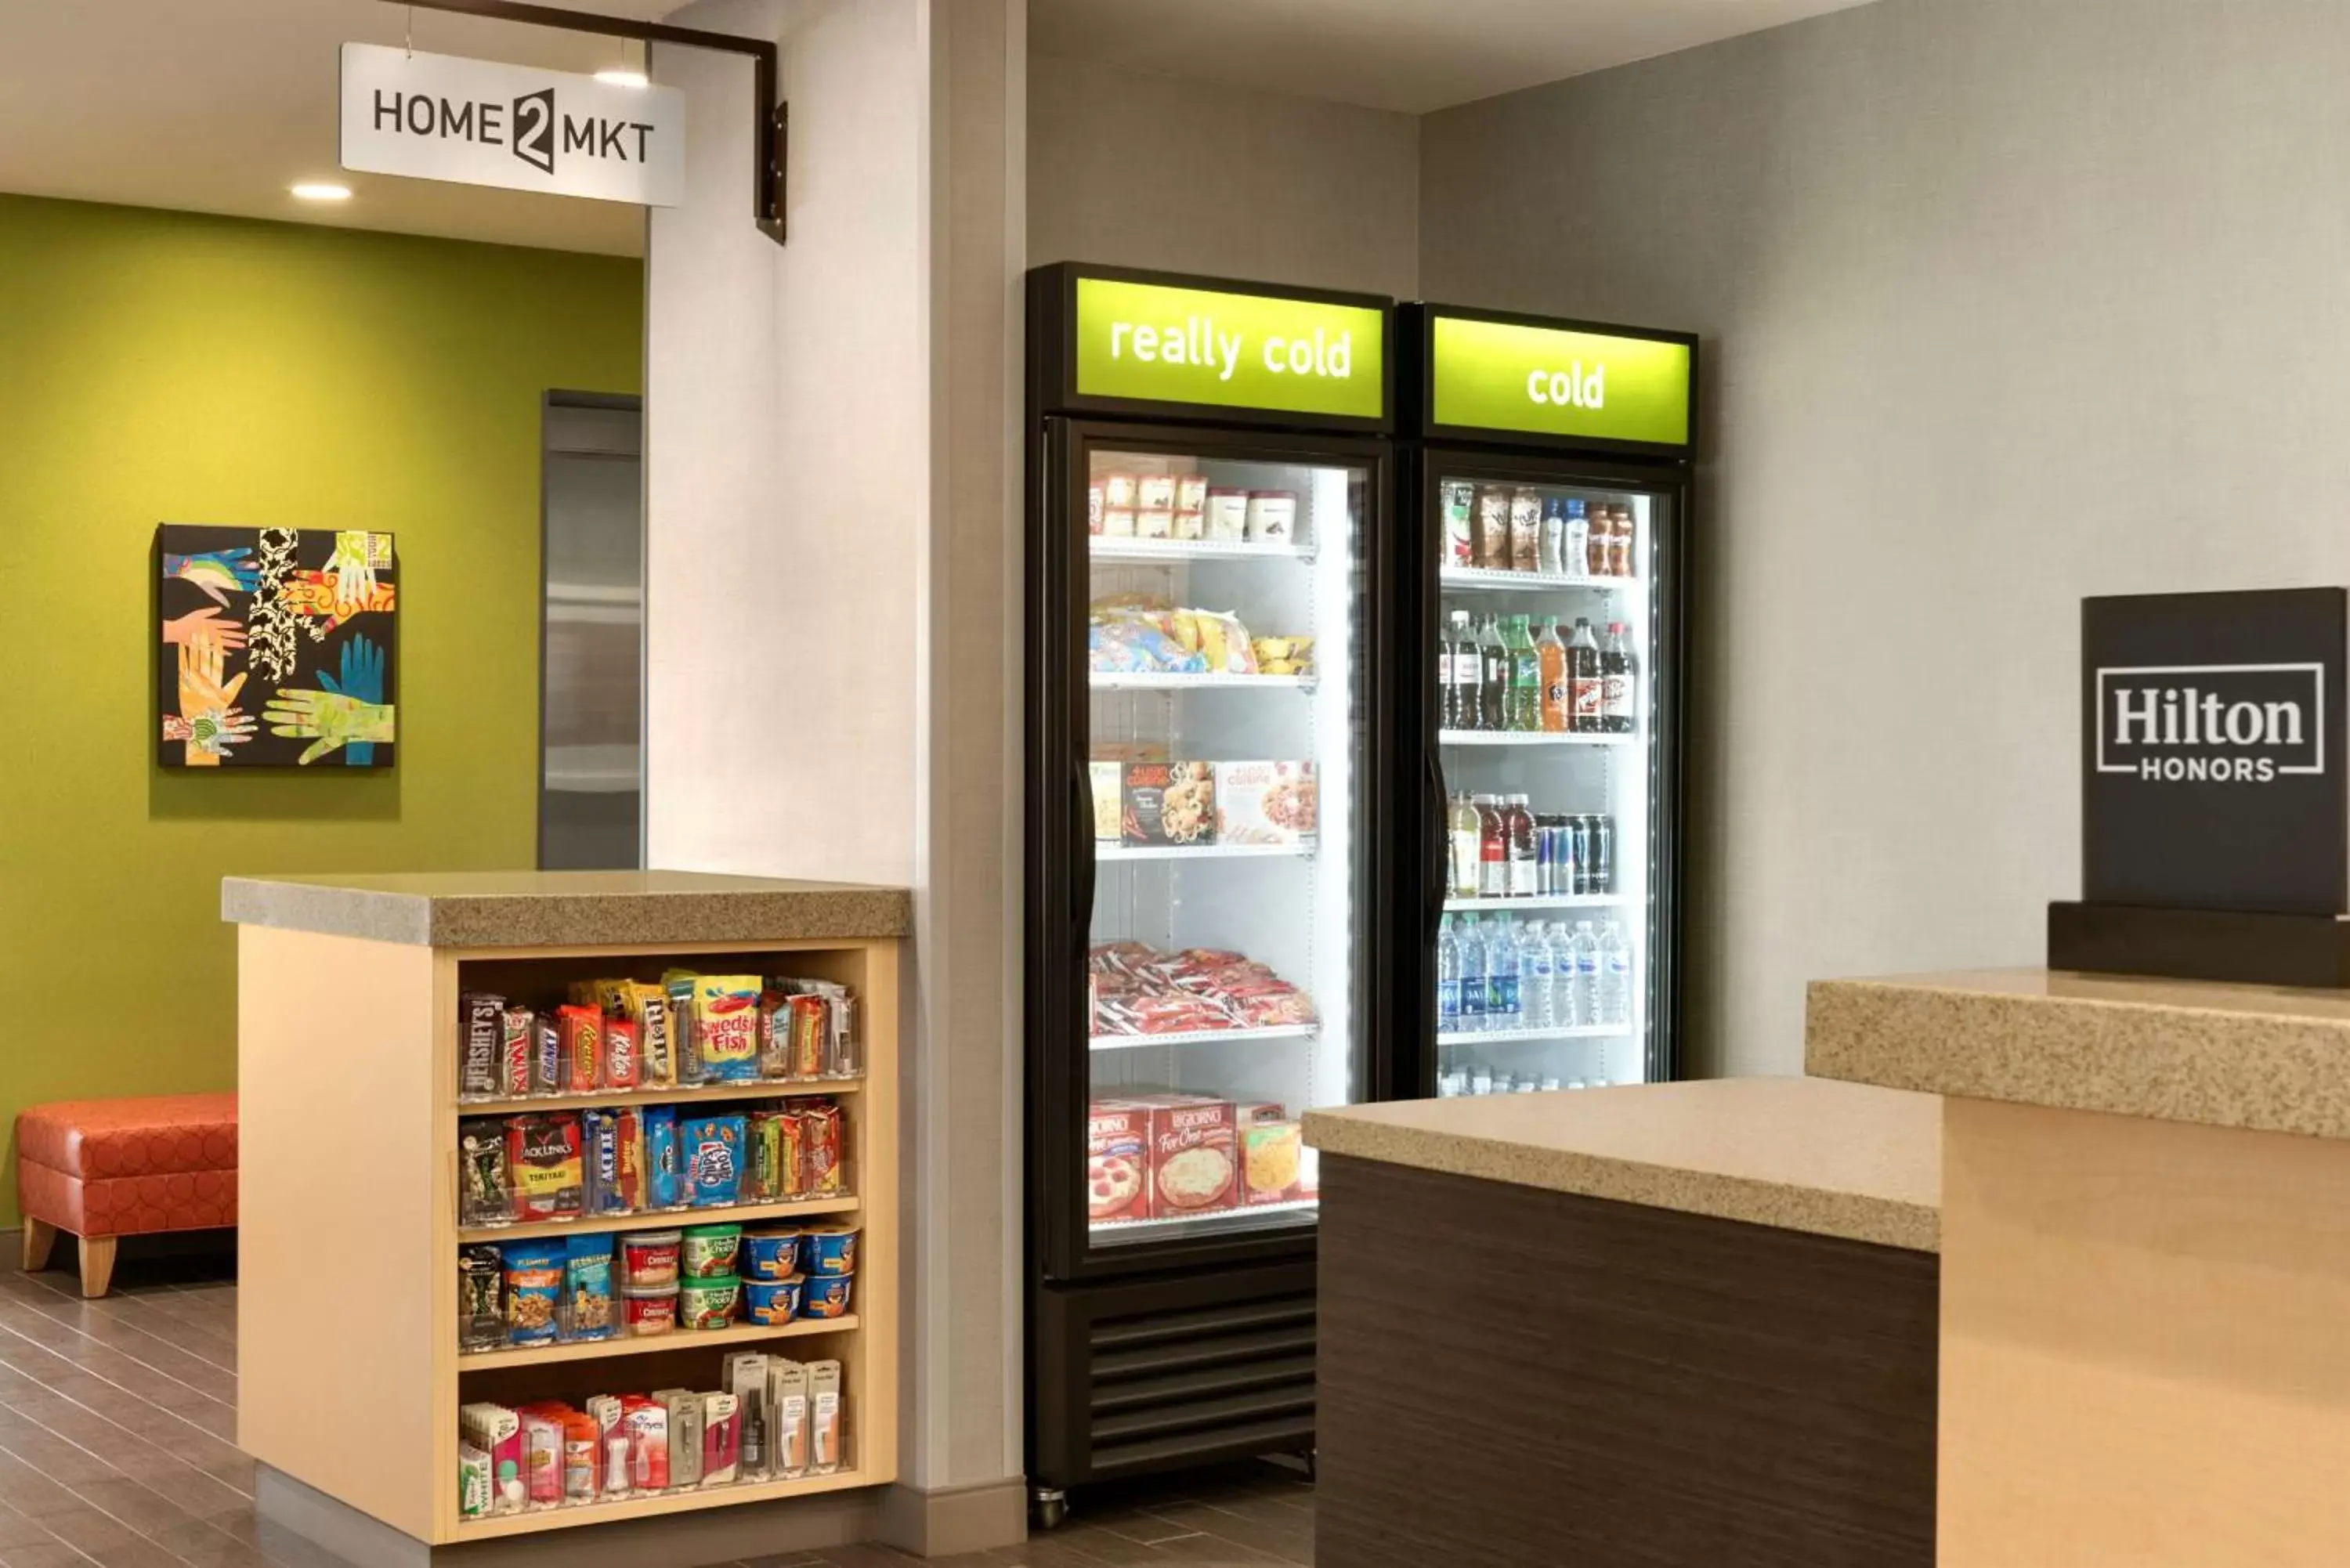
column 592, row 688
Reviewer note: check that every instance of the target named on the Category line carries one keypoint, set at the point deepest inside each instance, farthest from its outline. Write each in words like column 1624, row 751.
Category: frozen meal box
column 1108, row 782
column 1194, row 1157
column 1270, row 1152
column 1169, row 804
column 1265, row 803
column 1118, row 1162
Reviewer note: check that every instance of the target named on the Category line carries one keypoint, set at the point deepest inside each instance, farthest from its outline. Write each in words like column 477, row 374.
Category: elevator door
column 591, row 707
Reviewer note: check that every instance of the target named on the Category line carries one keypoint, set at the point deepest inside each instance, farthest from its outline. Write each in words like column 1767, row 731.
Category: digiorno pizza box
column 1194, row 1157
column 1118, row 1162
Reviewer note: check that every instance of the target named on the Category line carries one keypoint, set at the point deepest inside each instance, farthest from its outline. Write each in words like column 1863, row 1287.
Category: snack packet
column 664, row 1168
column 481, row 1025
column 726, row 1027
column 586, row 1287
column 480, row 1298
column 711, row 1151
column 583, row 1048
column 534, row 1286
column 647, row 1008
column 485, row 1193
column 824, row 1418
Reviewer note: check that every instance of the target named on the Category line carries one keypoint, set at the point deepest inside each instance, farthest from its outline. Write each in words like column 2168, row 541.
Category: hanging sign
column 1163, row 343
column 477, row 122
column 1558, row 381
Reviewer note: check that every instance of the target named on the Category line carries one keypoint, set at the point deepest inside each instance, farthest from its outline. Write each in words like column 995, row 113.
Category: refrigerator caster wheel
column 1050, row 1506
column 1313, row 1470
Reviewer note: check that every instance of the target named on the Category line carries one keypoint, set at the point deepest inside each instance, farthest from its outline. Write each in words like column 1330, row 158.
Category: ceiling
column 218, row 106
column 1414, row 55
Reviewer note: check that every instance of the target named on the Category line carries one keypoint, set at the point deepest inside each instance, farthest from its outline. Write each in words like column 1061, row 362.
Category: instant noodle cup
column 709, row 1251
column 647, row 1309
column 825, row 1295
column 771, row 1254
column 829, row 1250
column 708, row 1303
column 772, row 1301
column 649, row 1258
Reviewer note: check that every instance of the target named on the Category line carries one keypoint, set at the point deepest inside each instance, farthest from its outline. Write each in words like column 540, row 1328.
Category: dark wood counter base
column 1512, row 1376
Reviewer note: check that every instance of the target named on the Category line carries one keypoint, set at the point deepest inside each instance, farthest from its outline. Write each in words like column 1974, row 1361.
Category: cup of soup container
column 649, row 1258
column 647, row 1309
column 831, row 1251
column 709, row 1251
column 825, row 1295
column 772, row 1301
column 771, row 1254
column 1272, row 515
column 708, row 1303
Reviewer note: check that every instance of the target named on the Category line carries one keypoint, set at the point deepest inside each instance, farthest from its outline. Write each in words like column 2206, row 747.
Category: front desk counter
column 349, row 1376
column 1670, row 1323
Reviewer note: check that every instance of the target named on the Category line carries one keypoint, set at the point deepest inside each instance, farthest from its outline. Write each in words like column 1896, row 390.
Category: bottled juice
column 1526, row 675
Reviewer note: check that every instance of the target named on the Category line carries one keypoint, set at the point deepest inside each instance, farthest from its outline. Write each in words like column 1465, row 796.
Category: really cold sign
column 1161, row 343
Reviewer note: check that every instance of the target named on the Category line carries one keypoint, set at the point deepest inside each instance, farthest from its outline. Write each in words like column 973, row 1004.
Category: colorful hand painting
column 307, row 615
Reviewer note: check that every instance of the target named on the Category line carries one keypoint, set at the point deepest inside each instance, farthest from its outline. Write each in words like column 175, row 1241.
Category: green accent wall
column 165, row 367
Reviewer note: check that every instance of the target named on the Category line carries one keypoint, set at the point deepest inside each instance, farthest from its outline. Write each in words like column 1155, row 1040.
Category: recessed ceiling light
column 313, row 190
column 625, row 78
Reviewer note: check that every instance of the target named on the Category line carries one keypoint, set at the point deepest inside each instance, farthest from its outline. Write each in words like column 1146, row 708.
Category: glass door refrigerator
column 1207, row 765
column 1545, row 500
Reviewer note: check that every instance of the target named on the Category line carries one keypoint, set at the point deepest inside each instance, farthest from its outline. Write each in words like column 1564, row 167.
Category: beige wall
column 832, row 579
column 2005, row 303
column 1131, row 170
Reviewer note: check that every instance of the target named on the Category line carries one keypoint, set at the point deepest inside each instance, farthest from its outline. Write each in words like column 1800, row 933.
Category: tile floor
column 118, row 1427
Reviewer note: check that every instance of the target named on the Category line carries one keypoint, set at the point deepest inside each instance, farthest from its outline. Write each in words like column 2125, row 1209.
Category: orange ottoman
column 99, row 1170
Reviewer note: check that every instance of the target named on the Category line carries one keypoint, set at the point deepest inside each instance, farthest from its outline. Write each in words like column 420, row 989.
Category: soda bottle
column 1614, row 975
column 1536, row 967
column 1585, row 690
column 1492, row 850
column 1466, row 837
column 1575, row 549
column 1501, row 997
column 1518, row 827
column 1494, row 683
column 1472, row 980
column 1587, row 975
column 1551, row 648
column 1447, row 978
column 1525, row 676
column 1447, row 651
column 1618, row 698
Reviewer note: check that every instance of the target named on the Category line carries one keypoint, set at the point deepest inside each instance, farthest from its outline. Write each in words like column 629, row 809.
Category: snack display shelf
column 1103, row 851
column 1105, row 681
column 1207, row 1224
column 1504, row 1037
column 1179, row 550
column 1543, row 901
column 1491, row 578
column 1205, row 1036
column 661, row 1503
column 651, row 1344
column 1534, row 738
column 765, row 1089
column 660, row 1220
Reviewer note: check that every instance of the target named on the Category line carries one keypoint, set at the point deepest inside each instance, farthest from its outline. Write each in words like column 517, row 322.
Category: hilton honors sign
column 2213, row 740
column 476, row 122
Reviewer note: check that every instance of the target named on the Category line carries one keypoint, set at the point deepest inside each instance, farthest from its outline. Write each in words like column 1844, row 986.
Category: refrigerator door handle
column 1440, row 879
column 1081, row 912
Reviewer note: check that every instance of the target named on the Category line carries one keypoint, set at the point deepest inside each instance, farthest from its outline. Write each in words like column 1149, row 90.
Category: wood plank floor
column 117, row 1428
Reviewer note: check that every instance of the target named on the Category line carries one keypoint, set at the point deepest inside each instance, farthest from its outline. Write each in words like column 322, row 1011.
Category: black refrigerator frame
column 1426, row 452
column 1195, row 1351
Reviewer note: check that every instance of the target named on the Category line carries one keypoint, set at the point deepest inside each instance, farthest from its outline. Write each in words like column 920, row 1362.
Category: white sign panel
column 476, row 122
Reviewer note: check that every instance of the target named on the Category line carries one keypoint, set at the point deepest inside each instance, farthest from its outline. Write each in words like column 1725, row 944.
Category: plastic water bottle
column 1502, row 996
column 1447, row 978
column 1470, row 978
column 1481, row 1079
column 1614, row 975
column 1587, row 975
column 1536, row 969
column 1563, row 1000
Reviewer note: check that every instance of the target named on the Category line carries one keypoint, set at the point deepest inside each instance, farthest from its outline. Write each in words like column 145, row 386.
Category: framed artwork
column 276, row 646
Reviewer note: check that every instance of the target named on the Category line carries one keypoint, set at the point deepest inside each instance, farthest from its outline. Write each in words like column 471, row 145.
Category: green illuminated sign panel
column 1546, row 380
column 1171, row 344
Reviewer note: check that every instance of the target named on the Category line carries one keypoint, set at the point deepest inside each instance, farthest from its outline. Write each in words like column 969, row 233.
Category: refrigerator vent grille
column 1197, row 1384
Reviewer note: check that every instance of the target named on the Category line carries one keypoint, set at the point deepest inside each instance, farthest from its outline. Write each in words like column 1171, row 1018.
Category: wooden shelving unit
column 348, row 1058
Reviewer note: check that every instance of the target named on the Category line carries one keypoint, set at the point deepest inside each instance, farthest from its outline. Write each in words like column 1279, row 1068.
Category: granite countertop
column 1796, row 1154
column 2269, row 1058
column 566, row 908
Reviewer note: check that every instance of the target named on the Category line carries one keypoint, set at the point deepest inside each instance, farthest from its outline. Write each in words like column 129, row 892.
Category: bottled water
column 1536, row 967
column 1447, row 978
column 1587, row 975
column 1564, row 1003
column 1502, row 996
column 1614, row 975
column 1470, row 979
column 1481, row 1079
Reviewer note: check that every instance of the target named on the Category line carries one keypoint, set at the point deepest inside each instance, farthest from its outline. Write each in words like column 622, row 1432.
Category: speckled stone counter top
column 2269, row 1058
column 1796, row 1154
column 566, row 908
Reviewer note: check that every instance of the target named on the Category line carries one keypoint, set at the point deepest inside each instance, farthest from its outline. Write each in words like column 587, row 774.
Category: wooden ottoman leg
column 39, row 1237
column 97, row 1264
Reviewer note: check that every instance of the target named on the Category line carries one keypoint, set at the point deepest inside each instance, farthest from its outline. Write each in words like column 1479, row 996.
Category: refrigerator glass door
column 1547, row 646
column 1223, row 748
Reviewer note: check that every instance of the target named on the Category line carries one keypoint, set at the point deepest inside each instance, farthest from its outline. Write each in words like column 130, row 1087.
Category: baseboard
column 951, row 1521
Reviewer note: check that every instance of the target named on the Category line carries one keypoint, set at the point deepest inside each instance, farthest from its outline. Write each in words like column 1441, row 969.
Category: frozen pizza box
column 1108, row 780
column 1272, row 1154
column 1169, row 804
column 1194, row 1158
column 1118, row 1162
column 1267, row 802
